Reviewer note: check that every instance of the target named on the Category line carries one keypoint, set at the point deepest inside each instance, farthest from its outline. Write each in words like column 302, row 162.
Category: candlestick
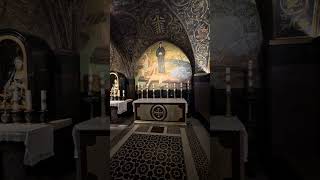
column 43, row 100
column 28, row 100
column 147, row 92
column 152, row 90
column 123, row 94
column 181, row 89
column 142, row 91
column 90, row 79
column 228, row 79
column 228, row 93
column 250, row 82
column 228, row 70
column 228, row 88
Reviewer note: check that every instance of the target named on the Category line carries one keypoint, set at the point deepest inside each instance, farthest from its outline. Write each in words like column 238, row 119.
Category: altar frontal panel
column 160, row 112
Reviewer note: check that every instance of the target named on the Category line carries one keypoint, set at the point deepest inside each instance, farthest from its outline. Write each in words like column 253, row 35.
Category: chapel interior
column 159, row 89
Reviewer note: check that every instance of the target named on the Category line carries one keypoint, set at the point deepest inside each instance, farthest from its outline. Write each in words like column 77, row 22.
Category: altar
column 121, row 106
column 160, row 109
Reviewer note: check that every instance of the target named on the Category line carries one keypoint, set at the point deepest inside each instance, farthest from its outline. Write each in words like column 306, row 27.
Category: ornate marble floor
column 158, row 151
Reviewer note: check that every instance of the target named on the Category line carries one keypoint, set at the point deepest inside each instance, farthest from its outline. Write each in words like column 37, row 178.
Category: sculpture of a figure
column 160, row 54
column 16, row 82
column 115, row 88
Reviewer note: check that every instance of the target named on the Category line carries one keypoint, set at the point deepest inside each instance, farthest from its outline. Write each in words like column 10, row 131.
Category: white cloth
column 231, row 124
column 101, row 124
column 161, row 101
column 37, row 138
column 122, row 106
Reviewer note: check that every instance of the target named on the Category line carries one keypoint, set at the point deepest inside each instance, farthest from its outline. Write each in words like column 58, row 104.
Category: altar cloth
column 37, row 138
column 122, row 106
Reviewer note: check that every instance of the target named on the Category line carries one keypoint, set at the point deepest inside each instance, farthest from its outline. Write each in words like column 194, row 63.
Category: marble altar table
column 24, row 145
column 121, row 105
column 229, row 145
column 91, row 140
column 160, row 109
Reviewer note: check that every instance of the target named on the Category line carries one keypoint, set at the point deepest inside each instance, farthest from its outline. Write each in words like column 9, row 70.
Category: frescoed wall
column 163, row 63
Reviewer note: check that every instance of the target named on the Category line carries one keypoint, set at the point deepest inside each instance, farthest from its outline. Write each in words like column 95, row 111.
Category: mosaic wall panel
column 195, row 18
column 135, row 25
column 172, row 66
column 295, row 18
column 236, row 38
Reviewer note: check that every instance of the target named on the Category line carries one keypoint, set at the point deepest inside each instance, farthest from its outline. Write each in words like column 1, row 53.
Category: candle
column 174, row 85
column 43, row 100
column 228, row 70
column 123, row 93
column 28, row 100
column 142, row 90
column 228, row 88
column 228, row 76
column 153, row 86
column 250, row 83
column 181, row 85
column 250, row 65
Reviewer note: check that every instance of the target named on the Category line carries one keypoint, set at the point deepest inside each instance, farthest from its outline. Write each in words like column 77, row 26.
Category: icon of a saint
column 160, row 55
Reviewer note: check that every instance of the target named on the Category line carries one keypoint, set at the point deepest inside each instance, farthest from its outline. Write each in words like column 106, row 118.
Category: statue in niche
column 115, row 91
column 160, row 55
column 16, row 82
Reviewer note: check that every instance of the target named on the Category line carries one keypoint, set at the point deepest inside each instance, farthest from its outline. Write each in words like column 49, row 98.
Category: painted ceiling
column 137, row 24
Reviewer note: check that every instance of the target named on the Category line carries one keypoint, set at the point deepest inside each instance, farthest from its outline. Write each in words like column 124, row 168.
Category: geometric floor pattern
column 149, row 155
column 199, row 156
column 145, row 156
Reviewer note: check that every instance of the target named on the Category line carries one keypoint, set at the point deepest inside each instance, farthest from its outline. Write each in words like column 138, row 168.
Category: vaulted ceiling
column 137, row 24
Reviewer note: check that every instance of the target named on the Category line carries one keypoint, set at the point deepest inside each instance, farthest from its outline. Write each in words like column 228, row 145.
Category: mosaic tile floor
column 149, row 157
column 158, row 152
